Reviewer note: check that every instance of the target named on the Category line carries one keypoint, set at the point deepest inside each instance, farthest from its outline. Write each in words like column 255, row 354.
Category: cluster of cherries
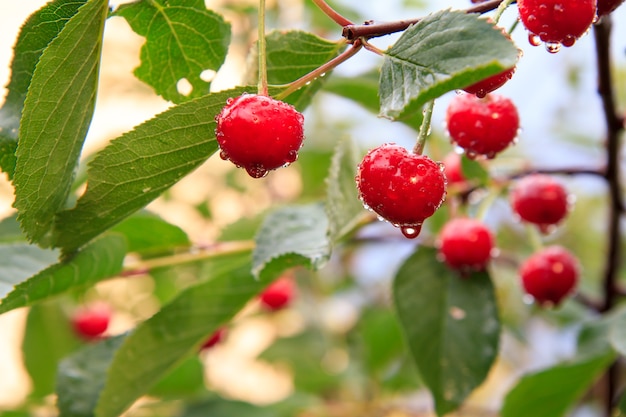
column 261, row 134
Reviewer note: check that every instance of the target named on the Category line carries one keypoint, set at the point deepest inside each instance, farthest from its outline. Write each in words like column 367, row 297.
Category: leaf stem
column 213, row 251
column 320, row 71
column 424, row 128
column 501, row 8
column 333, row 14
column 262, row 51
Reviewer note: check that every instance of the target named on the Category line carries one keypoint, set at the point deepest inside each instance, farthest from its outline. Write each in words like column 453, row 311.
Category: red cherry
column 90, row 322
column 215, row 338
column 259, row 133
column 401, row 187
column 541, row 200
column 489, row 84
column 453, row 168
column 549, row 275
column 278, row 294
column 465, row 244
column 556, row 22
column 482, row 126
column 607, row 6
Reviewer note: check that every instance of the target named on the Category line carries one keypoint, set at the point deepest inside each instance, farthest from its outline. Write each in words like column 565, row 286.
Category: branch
column 614, row 126
column 371, row 29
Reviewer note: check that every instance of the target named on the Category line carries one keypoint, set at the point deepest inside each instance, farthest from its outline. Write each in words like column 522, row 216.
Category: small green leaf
column 183, row 39
column 101, row 259
column 148, row 234
column 289, row 237
column 363, row 89
column 57, row 113
column 20, row 261
column 343, row 207
column 81, row 377
column 292, row 54
column 473, row 170
column 137, row 167
column 36, row 33
column 446, row 50
column 551, row 392
column 48, row 338
column 451, row 325
column 178, row 330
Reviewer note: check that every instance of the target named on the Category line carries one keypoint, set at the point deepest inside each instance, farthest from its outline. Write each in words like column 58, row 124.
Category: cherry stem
column 424, row 128
column 262, row 51
column 501, row 8
column 318, row 72
column 220, row 249
column 332, row 13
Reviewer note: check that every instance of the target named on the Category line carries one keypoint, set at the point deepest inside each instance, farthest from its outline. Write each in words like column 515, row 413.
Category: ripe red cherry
column 401, row 187
column 549, row 275
column 453, row 168
column 607, row 6
column 278, row 294
column 215, row 338
column 489, row 84
column 259, row 133
column 541, row 200
column 482, row 126
column 90, row 322
column 465, row 244
column 556, row 22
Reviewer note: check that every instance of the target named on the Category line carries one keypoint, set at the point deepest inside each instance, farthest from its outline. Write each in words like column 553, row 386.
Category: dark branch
column 371, row 29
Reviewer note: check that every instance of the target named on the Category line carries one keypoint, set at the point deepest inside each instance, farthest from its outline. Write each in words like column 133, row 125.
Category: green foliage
column 442, row 52
column 55, row 119
column 289, row 237
column 451, row 326
column 147, row 160
column 99, row 260
column 37, row 32
column 183, row 39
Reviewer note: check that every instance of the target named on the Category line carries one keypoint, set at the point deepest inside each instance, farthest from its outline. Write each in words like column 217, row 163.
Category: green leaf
column 57, row 113
column 36, row 33
column 81, row 377
column 186, row 380
column 617, row 332
column 343, row 206
column 48, row 338
column 363, row 89
column 178, row 330
column 20, row 261
column 218, row 407
column 289, row 237
column 551, row 392
column 101, row 259
column 183, row 39
column 292, row 54
column 148, row 234
column 451, row 325
column 138, row 166
column 474, row 170
column 446, row 50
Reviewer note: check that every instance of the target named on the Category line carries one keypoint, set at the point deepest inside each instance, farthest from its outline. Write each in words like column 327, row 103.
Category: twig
column 371, row 29
column 330, row 12
column 614, row 126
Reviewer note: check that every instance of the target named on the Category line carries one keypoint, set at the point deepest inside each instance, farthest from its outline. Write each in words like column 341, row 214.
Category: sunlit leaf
column 183, row 41
column 57, row 113
column 36, row 33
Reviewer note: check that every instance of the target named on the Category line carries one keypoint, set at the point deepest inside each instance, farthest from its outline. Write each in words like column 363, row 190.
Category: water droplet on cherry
column 412, row 231
column 553, row 47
